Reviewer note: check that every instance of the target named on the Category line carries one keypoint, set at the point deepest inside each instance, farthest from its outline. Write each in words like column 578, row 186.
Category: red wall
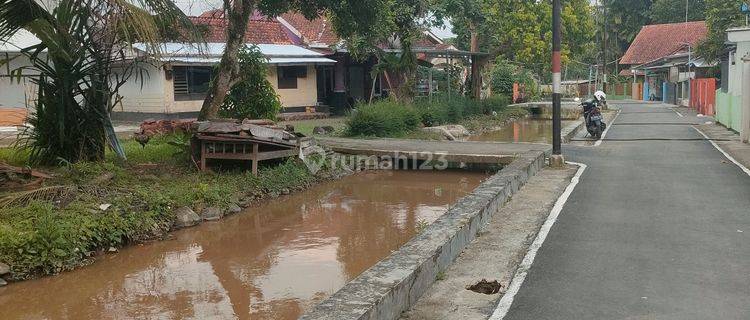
column 703, row 95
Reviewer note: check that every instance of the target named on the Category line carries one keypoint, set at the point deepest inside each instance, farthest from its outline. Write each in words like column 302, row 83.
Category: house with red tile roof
column 661, row 56
column 309, row 67
column 350, row 80
column 176, row 85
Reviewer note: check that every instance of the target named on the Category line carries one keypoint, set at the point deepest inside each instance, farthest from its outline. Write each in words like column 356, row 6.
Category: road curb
column 571, row 130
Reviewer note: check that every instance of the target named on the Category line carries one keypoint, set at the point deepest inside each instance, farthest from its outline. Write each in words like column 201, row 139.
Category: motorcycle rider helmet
column 600, row 95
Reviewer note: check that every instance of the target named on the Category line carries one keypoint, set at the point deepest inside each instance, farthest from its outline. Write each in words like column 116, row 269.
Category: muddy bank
column 271, row 261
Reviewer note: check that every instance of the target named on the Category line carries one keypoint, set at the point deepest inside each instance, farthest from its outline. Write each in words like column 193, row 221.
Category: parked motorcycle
column 593, row 116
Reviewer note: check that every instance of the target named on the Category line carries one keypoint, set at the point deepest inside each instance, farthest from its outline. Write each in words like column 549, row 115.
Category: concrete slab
column 453, row 151
column 494, row 254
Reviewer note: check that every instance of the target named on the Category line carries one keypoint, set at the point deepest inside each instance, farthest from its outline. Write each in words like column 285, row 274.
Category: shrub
column 389, row 118
column 495, row 103
column 504, row 74
column 442, row 109
column 253, row 97
column 382, row 119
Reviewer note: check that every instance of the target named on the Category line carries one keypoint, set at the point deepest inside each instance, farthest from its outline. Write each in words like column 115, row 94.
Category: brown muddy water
column 272, row 261
column 521, row 130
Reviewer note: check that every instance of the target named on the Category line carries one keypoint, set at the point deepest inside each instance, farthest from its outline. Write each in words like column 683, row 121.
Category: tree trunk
column 237, row 14
column 476, row 64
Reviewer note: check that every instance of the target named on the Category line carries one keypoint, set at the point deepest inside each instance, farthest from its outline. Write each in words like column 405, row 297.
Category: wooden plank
column 219, row 127
column 203, row 155
column 229, row 156
column 277, row 154
column 258, row 121
column 248, row 140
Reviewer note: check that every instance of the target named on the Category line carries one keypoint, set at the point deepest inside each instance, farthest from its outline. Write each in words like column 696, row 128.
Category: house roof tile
column 258, row 31
column 318, row 30
column 659, row 40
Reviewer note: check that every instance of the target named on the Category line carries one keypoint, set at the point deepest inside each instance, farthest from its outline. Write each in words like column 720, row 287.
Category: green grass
column 14, row 156
column 41, row 238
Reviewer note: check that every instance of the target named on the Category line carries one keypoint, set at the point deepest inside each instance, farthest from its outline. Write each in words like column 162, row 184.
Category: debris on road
column 486, row 287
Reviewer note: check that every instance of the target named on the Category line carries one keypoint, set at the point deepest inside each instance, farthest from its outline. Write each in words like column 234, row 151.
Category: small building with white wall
column 177, row 84
column 733, row 97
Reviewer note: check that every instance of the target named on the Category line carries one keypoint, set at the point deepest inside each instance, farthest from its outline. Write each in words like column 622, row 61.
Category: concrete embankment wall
column 396, row 282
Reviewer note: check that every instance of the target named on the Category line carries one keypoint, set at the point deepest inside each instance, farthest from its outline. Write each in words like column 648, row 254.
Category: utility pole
column 588, row 86
column 687, row 5
column 556, row 160
column 604, row 45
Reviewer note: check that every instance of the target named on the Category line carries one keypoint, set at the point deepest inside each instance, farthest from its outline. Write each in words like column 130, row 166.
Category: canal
column 521, row 130
column 272, row 261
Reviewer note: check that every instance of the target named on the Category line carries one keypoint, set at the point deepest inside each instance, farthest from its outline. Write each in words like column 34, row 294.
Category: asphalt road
column 655, row 230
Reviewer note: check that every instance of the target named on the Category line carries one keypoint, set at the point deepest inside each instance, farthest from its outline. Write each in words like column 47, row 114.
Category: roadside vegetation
column 89, row 207
column 389, row 118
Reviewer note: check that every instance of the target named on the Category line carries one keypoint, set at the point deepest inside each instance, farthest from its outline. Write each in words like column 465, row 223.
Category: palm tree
column 83, row 58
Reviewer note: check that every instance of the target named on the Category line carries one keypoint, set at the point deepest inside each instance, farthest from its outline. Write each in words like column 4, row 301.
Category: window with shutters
column 191, row 82
column 288, row 76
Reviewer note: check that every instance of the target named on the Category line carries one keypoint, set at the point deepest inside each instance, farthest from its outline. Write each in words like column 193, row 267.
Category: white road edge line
column 745, row 169
column 515, row 284
column 604, row 134
column 679, row 114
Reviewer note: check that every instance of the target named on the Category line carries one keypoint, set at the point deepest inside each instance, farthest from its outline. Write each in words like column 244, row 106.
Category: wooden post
column 255, row 159
column 203, row 155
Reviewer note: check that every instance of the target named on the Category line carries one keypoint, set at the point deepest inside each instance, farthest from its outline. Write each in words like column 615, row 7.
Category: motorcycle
column 593, row 116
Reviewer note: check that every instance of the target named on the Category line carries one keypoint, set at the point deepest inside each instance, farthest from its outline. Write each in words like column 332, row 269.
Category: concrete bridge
column 452, row 151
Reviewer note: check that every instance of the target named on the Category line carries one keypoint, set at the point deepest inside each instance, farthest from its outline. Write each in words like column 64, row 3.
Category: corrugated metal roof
column 217, row 49
column 278, row 61
column 300, row 61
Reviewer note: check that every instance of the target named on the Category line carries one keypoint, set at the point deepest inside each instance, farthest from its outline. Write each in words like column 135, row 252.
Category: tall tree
column 670, row 11
column 468, row 14
column 720, row 16
column 364, row 23
column 625, row 19
column 521, row 31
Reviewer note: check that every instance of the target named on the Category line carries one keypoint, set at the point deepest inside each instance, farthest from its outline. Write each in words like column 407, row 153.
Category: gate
column 703, row 95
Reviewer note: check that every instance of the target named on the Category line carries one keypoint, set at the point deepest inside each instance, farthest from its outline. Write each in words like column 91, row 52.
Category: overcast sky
column 196, row 7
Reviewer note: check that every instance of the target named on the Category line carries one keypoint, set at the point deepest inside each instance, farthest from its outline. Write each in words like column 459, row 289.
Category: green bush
column 497, row 103
column 504, row 74
column 382, row 119
column 393, row 119
column 442, row 109
column 253, row 97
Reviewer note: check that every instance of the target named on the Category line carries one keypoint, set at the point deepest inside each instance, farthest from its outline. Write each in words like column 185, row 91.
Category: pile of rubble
column 258, row 129
column 154, row 127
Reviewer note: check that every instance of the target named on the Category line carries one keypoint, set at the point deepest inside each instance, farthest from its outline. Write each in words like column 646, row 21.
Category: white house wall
column 153, row 93
column 15, row 93
column 144, row 92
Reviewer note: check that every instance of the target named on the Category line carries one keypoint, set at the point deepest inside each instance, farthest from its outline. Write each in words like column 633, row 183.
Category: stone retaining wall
column 396, row 282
